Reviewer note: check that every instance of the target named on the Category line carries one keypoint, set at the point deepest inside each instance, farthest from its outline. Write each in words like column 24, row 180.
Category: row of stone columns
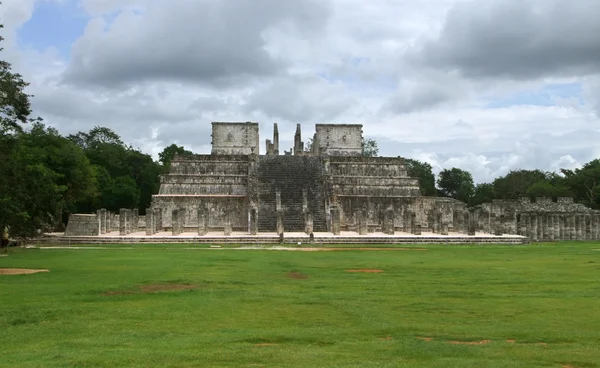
column 554, row 226
column 128, row 221
column 153, row 221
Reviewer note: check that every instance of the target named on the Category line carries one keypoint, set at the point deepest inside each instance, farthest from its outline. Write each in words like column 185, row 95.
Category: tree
column 72, row 169
column 28, row 193
column 515, row 184
column 484, row 193
column 369, row 147
column 585, row 183
column 424, row 172
column 169, row 152
column 456, row 183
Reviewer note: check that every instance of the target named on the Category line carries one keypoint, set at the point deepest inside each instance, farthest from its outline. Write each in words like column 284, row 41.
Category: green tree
column 74, row 173
column 369, row 147
column 28, row 194
column 584, row 183
column 424, row 172
column 169, row 152
column 484, row 193
column 456, row 183
column 516, row 183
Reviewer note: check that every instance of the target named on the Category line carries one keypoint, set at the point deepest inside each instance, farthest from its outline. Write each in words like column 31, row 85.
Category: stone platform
column 289, row 238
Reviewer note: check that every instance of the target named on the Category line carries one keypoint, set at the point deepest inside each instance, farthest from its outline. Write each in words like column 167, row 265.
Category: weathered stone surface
column 83, row 225
column 331, row 188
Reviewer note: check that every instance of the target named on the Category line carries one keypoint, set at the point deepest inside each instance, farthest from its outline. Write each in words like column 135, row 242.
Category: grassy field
column 458, row 306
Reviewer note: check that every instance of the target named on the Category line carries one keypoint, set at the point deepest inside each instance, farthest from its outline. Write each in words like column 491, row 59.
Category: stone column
column 362, row 222
column 550, row 227
column 578, row 227
column 437, row 222
column 253, row 222
column 123, row 221
column 227, row 227
column 415, row 226
column 533, row 232
column 202, row 221
column 280, row 229
column 388, row 222
column 308, row 227
column 182, row 219
column 472, row 223
column 175, row 223
column 588, row 227
column 559, row 227
column 595, row 224
column 523, row 224
column 157, row 214
column 149, row 222
column 103, row 221
column 109, row 222
column 135, row 220
column 444, row 228
column 335, row 220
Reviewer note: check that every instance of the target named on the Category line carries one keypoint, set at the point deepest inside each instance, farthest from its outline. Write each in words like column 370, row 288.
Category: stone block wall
column 83, row 225
column 338, row 139
column 541, row 220
column 235, row 138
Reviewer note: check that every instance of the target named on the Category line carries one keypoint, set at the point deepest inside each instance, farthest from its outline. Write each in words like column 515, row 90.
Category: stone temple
column 327, row 189
column 330, row 188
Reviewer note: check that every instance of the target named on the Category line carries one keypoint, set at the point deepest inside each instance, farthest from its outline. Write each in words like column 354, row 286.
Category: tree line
column 45, row 176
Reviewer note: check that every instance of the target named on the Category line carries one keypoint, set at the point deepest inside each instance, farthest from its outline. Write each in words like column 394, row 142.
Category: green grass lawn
column 113, row 308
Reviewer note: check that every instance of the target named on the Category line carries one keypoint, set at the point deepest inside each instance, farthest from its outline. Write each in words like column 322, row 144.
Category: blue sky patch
column 56, row 25
column 543, row 97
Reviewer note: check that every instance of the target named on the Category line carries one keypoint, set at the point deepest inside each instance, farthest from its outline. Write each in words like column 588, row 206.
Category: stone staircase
column 290, row 175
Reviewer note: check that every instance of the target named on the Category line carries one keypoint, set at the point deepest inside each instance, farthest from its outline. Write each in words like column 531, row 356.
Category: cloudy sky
column 484, row 85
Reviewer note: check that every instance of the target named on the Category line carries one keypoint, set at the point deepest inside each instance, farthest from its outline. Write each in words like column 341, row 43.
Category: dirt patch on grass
column 297, row 276
column 387, row 338
column 20, row 271
column 482, row 342
column 266, row 344
column 366, row 270
column 425, row 338
column 511, row 341
column 151, row 289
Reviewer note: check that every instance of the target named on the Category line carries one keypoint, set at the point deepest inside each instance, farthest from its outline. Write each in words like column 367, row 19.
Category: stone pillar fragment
column 388, row 222
column 157, row 215
column 253, row 222
column 578, row 227
column 472, row 223
column 123, row 222
column 414, row 225
column 533, row 234
column 362, row 222
column 500, row 225
column 550, row 227
column 308, row 223
column 280, row 228
column 227, row 228
column 335, row 220
column 444, row 228
column 135, row 220
column 149, row 222
column 175, row 223
column 202, row 221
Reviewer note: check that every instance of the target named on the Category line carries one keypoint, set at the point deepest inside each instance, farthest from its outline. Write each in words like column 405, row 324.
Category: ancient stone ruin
column 330, row 188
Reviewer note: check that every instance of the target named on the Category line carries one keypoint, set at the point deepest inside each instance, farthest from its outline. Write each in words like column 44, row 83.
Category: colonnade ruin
column 330, row 188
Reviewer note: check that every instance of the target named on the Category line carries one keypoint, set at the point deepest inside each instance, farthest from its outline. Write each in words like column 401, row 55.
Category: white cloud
column 418, row 75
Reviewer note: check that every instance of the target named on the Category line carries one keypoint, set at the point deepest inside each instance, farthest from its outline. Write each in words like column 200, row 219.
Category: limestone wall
column 541, row 220
column 83, row 225
column 235, row 138
column 339, row 139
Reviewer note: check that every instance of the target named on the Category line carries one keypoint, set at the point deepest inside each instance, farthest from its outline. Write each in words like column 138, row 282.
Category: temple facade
column 330, row 187
column 327, row 188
